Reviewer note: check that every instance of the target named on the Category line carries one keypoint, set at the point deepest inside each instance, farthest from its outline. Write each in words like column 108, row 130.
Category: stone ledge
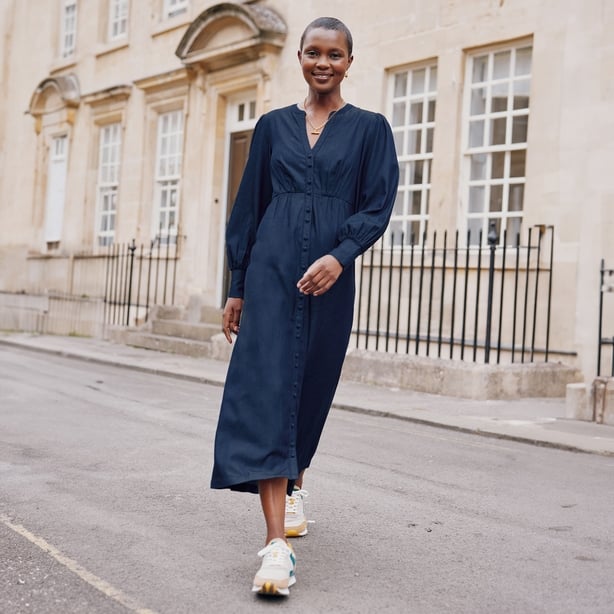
column 594, row 403
column 459, row 379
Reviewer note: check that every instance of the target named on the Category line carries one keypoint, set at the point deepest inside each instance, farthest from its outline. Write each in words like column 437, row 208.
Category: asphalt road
column 105, row 507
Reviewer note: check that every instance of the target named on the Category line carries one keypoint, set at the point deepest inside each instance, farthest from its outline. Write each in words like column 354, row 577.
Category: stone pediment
column 228, row 34
column 55, row 93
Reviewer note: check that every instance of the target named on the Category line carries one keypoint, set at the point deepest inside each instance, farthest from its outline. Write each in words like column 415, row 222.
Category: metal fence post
column 131, row 249
column 492, row 243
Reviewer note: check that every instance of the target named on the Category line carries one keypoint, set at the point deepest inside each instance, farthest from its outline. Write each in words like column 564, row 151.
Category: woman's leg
column 273, row 500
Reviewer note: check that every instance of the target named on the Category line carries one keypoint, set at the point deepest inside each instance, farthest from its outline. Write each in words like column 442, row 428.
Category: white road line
column 92, row 579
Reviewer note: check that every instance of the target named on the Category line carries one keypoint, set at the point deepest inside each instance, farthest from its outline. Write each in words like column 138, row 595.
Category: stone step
column 167, row 312
column 211, row 315
column 217, row 348
column 184, row 330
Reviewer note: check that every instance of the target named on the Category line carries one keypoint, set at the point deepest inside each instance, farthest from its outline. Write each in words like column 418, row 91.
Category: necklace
column 316, row 131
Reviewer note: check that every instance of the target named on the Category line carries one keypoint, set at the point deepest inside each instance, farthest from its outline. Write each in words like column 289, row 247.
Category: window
column 413, row 93
column 168, row 173
column 68, row 40
column 108, row 182
column 175, row 7
column 497, row 119
column 118, row 19
column 56, row 191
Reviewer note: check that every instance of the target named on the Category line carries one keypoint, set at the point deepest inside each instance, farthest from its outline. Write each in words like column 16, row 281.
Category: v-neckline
column 302, row 113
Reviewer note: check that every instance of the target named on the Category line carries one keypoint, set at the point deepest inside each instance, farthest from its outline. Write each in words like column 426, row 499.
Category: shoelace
column 292, row 500
column 274, row 554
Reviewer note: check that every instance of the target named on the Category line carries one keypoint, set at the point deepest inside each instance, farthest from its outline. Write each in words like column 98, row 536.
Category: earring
column 347, row 74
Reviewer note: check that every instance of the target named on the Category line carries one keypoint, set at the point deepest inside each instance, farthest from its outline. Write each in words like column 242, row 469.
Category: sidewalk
column 534, row 421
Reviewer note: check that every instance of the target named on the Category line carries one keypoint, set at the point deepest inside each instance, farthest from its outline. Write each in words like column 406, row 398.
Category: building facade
column 127, row 120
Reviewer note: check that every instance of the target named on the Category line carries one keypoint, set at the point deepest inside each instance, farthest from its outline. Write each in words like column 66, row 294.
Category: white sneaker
column 296, row 521
column 276, row 574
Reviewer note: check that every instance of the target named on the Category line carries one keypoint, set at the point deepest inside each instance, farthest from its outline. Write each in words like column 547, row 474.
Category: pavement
column 539, row 422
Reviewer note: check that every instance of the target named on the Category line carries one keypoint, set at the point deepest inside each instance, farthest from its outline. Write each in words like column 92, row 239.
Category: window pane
column 474, row 228
column 476, row 199
column 418, row 81
column 399, row 208
column 513, row 230
column 431, row 111
column 518, row 161
column 521, row 94
column 480, row 68
column 395, row 232
column 497, row 131
column 416, row 199
column 398, row 114
column 516, row 197
column 501, row 65
column 433, row 79
column 417, row 172
column 478, row 166
column 498, row 165
column 496, row 198
column 476, row 133
column 398, row 142
column 429, row 140
column 478, row 101
column 499, row 97
column 415, row 113
column 415, row 141
column 523, row 61
column 519, row 129
column 400, row 84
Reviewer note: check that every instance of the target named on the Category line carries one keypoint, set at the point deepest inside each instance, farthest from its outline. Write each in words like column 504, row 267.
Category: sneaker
column 276, row 574
column 296, row 521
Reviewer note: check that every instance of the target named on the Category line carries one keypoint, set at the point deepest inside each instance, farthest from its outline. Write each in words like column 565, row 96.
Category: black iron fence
column 450, row 299
column 606, row 285
column 138, row 277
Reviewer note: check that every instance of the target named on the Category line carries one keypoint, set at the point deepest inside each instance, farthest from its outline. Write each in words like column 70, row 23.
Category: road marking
column 92, row 579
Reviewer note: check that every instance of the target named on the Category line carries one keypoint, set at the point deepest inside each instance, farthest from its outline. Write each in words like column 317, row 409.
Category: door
column 237, row 158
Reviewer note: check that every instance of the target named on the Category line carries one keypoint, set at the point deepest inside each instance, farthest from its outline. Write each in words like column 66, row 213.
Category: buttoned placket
column 300, row 307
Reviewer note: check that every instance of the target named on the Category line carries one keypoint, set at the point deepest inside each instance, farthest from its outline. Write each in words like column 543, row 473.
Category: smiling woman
column 317, row 192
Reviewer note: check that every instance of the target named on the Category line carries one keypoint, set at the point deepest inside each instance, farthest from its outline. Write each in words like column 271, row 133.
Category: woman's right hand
column 232, row 317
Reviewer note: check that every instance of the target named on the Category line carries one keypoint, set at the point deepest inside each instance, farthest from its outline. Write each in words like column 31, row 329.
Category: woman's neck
column 323, row 102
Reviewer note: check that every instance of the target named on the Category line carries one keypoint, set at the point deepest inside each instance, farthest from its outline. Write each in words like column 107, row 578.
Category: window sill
column 63, row 63
column 171, row 23
column 107, row 48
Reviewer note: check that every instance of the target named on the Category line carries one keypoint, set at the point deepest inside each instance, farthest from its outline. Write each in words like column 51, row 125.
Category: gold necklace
column 317, row 131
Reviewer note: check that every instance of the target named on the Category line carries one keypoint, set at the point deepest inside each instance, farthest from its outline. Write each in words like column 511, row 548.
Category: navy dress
column 294, row 205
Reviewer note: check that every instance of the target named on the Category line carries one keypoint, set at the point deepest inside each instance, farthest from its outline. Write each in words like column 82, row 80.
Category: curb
column 335, row 405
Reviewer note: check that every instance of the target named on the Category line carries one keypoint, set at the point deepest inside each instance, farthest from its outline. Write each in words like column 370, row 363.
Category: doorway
column 241, row 121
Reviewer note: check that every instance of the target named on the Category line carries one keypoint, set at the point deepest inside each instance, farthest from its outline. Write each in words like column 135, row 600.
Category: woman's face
column 324, row 59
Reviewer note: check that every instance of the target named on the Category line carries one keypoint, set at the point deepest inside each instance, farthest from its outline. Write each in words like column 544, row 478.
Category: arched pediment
column 55, row 93
column 227, row 34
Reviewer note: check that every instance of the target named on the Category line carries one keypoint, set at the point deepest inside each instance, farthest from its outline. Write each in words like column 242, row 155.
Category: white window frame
column 413, row 100
column 118, row 19
column 109, row 164
column 495, row 140
column 175, row 7
column 167, row 176
column 68, row 28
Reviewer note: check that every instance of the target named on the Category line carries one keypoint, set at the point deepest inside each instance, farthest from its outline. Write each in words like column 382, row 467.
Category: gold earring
column 347, row 75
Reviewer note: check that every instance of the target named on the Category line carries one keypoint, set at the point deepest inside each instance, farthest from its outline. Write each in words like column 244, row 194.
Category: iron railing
column 606, row 285
column 456, row 300
column 139, row 277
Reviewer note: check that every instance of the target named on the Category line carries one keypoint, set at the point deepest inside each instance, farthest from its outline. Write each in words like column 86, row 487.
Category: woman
column 317, row 191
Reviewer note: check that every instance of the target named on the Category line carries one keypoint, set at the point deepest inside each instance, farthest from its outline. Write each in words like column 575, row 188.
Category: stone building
column 125, row 119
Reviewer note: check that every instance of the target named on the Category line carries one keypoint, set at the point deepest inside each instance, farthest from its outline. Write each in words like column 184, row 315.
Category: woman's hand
column 232, row 317
column 320, row 276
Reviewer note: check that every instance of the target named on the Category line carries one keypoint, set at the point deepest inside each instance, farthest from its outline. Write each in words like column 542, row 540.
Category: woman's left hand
column 320, row 276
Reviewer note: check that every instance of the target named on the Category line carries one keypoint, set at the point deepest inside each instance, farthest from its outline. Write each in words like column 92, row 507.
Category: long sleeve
column 253, row 196
column 375, row 196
